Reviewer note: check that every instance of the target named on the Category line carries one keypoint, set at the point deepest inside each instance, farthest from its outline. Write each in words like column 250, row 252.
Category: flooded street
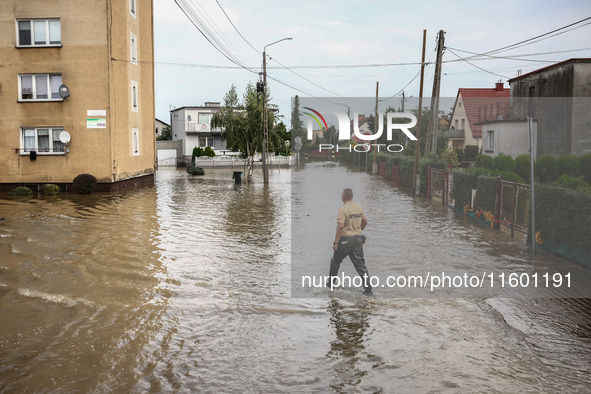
column 194, row 285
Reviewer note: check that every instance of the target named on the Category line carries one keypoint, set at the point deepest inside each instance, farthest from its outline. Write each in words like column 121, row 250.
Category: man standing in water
column 349, row 241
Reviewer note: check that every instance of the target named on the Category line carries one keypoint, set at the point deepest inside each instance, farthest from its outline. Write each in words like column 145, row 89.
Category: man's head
column 347, row 195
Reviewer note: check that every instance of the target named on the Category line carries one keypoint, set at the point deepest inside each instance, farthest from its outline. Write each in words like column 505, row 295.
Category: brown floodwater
column 193, row 285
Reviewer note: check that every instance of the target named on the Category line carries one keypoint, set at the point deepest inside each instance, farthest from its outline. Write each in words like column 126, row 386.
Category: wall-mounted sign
column 96, row 112
column 96, row 123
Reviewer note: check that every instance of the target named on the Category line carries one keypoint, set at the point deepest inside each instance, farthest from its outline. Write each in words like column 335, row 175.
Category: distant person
column 348, row 240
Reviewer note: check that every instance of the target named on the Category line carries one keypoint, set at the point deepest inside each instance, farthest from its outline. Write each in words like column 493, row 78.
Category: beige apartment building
column 76, row 92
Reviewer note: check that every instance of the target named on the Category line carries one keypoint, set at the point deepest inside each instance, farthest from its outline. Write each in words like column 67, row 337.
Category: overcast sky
column 191, row 71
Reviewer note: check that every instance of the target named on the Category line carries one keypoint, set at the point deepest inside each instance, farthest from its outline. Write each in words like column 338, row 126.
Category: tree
column 241, row 124
column 165, row 136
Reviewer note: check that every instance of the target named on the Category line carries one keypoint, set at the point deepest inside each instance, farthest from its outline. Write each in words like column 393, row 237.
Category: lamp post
column 265, row 121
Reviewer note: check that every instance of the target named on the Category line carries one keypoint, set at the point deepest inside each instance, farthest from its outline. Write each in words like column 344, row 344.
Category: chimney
column 499, row 86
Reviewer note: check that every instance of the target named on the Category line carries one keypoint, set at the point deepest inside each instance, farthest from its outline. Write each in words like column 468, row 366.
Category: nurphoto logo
column 344, row 130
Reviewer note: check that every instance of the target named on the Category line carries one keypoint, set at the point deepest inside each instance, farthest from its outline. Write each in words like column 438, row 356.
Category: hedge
column 563, row 216
column 486, row 193
column 463, row 184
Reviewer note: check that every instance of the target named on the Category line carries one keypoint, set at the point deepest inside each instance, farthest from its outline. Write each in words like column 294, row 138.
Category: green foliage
column 511, row 176
column 460, row 154
column 464, row 182
column 470, row 152
column 208, row 151
column 522, row 166
column 408, row 152
column 563, row 216
column 197, row 152
column 546, row 169
column 165, row 135
column 84, row 183
column 21, row 191
column 485, row 161
column 573, row 183
column 586, row 167
column 504, row 162
column 432, row 161
column 51, row 189
column 450, row 157
column 569, row 165
column 486, row 193
column 241, row 120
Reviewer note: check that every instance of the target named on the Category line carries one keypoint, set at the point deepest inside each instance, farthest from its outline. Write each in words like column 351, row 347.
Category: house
column 160, row 126
column 76, row 96
column 474, row 105
column 558, row 97
column 192, row 125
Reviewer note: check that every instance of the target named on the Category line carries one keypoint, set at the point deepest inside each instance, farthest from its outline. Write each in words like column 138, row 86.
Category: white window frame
column 490, row 139
column 133, row 48
column 47, row 33
column 135, row 142
column 54, row 133
column 133, row 8
column 34, row 87
column 135, row 97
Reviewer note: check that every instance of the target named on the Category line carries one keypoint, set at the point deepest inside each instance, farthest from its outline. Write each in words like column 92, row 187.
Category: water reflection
column 350, row 325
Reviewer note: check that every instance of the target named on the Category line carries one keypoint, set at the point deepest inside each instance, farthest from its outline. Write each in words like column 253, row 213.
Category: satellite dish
column 298, row 139
column 65, row 137
column 64, row 91
column 189, row 118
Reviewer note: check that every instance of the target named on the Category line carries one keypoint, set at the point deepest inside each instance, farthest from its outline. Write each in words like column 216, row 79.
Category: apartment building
column 76, row 92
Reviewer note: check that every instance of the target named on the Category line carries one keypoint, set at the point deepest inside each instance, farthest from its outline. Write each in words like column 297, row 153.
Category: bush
column 562, row 216
column 51, row 189
column 572, row 182
column 21, row 191
column 208, row 151
column 459, row 154
column 464, row 182
column 408, row 152
column 511, row 176
column 504, row 163
column 470, row 152
column 84, row 184
column 197, row 152
column 486, row 193
column 569, row 165
column 547, row 169
column 451, row 158
column 485, row 161
column 522, row 166
column 586, row 167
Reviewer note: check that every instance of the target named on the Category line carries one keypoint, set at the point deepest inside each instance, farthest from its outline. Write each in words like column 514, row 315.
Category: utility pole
column 265, row 125
column 374, row 168
column 265, row 115
column 420, row 113
column 431, row 140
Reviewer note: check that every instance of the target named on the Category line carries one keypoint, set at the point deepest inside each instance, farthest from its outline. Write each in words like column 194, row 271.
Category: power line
column 480, row 68
column 235, row 28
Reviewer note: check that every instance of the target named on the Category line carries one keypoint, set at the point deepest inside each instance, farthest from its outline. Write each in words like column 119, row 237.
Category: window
column 205, row 118
column 39, row 87
column 43, row 140
column 38, row 32
column 463, row 124
column 134, row 96
column 205, row 141
column 490, row 137
column 135, row 142
column 133, row 48
column 132, row 7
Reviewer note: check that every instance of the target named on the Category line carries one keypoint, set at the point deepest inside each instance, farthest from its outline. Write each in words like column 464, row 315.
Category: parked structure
column 472, row 106
column 76, row 94
column 192, row 125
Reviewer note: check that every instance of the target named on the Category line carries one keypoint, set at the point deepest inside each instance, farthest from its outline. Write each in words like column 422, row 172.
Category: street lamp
column 265, row 122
